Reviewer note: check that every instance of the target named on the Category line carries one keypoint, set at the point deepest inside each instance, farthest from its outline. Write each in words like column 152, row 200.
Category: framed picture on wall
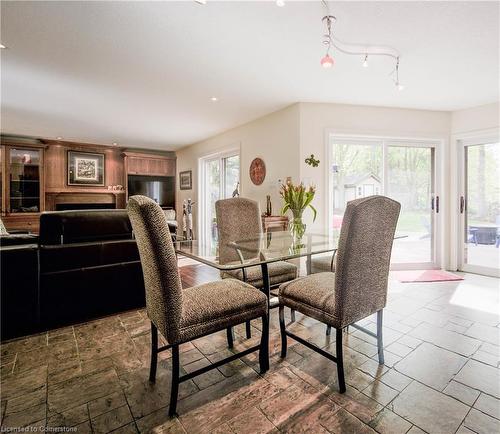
column 186, row 180
column 85, row 168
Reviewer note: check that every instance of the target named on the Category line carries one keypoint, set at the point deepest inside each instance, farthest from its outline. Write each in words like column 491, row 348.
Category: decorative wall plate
column 257, row 171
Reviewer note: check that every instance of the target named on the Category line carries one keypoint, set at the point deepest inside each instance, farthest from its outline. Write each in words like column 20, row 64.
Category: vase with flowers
column 296, row 199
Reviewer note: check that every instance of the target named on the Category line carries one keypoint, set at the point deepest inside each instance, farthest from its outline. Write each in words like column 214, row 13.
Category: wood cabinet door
column 137, row 165
column 151, row 166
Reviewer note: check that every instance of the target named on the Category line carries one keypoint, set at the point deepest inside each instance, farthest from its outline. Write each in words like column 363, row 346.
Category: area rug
column 424, row 276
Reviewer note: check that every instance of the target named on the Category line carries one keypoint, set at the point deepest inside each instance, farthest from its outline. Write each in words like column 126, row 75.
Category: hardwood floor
column 441, row 373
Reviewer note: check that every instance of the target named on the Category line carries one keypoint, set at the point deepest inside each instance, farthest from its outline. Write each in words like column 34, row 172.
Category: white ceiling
column 142, row 73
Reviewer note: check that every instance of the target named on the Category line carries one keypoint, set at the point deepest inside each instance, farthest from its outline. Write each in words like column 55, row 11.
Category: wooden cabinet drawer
column 29, row 222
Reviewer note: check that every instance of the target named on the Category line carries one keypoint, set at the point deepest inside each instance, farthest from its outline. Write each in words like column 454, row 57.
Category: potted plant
column 296, row 199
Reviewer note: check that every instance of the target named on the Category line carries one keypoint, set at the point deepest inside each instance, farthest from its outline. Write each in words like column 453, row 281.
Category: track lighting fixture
column 354, row 49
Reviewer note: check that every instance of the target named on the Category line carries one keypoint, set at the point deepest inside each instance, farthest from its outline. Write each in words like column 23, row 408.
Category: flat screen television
column 159, row 188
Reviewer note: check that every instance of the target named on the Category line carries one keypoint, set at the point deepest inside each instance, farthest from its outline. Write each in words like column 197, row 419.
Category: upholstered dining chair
column 358, row 288
column 182, row 315
column 239, row 219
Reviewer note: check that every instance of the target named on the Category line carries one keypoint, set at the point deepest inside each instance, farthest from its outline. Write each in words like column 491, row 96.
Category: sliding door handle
column 437, row 204
column 462, row 204
column 432, row 203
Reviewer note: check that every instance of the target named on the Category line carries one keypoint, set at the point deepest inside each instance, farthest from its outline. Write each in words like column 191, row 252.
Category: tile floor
column 441, row 373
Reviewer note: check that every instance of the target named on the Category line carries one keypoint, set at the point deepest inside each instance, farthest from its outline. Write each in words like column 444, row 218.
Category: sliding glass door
column 404, row 171
column 220, row 176
column 480, row 209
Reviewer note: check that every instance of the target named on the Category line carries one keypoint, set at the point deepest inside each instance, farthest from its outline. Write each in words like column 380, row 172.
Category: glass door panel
column 231, row 175
column 410, row 182
column 221, row 176
column 401, row 170
column 481, row 208
column 213, row 179
column 24, row 180
column 357, row 172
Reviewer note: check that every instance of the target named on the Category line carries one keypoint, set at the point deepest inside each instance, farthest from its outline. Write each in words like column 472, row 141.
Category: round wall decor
column 257, row 171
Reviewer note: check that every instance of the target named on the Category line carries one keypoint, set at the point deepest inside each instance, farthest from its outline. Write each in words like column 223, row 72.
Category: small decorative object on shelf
column 257, row 171
column 312, row 161
column 236, row 192
column 269, row 207
column 187, row 219
column 296, row 199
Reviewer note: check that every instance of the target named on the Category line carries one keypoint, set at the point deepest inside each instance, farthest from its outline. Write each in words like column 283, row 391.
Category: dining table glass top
column 262, row 248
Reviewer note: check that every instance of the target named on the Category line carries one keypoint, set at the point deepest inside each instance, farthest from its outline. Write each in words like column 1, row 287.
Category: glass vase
column 297, row 228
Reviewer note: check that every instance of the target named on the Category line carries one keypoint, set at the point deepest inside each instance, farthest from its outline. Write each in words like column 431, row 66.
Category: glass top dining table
column 263, row 249
column 260, row 250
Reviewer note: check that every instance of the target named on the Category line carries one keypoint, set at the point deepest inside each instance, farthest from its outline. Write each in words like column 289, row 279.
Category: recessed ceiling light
column 214, row 99
column 280, row 3
column 2, row 46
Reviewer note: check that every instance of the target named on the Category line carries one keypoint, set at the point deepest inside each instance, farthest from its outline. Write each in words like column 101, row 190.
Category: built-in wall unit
column 40, row 175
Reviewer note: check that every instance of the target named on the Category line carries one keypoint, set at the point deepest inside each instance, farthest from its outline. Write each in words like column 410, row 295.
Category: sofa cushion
column 67, row 227
column 72, row 256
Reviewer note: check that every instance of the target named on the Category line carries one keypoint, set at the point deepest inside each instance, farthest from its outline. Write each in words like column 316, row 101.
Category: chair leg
column 328, row 330
column 292, row 314
column 264, row 345
column 174, row 391
column 340, row 360
column 230, row 337
column 380, row 343
column 282, row 330
column 154, row 353
column 248, row 330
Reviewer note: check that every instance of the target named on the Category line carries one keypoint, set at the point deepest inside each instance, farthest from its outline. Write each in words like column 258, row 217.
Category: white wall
column 274, row 138
column 475, row 119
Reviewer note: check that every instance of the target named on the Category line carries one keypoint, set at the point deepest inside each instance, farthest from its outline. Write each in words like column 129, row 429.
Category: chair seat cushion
column 312, row 295
column 322, row 263
column 214, row 306
column 279, row 272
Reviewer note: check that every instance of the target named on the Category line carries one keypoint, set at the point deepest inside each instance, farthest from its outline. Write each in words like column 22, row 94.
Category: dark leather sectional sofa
column 85, row 265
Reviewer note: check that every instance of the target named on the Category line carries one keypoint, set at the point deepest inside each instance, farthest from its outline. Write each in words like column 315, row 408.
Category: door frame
column 439, row 191
column 461, row 141
column 202, row 197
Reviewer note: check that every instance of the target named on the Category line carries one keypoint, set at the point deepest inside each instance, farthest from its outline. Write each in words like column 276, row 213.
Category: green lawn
column 413, row 221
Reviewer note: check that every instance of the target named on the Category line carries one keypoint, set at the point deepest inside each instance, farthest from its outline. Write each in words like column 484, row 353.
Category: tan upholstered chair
column 320, row 264
column 358, row 288
column 183, row 315
column 240, row 219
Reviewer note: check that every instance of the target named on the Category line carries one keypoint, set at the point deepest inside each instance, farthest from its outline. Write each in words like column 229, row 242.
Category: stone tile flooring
column 441, row 373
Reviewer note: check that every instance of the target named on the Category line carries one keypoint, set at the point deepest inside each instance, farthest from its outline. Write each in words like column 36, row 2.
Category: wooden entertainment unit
column 34, row 178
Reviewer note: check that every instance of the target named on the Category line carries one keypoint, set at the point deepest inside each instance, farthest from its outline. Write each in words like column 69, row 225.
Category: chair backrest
column 363, row 257
column 237, row 219
column 159, row 265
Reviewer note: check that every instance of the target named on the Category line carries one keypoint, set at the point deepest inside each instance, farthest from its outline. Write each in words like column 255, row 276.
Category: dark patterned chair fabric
column 358, row 288
column 183, row 315
column 239, row 219
column 319, row 264
column 279, row 272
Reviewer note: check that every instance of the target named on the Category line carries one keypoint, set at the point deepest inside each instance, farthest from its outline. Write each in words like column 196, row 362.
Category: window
column 220, row 177
column 402, row 170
